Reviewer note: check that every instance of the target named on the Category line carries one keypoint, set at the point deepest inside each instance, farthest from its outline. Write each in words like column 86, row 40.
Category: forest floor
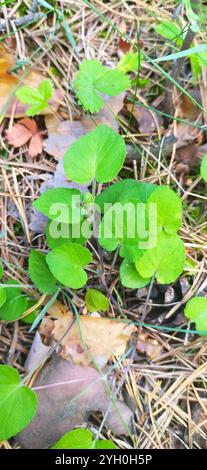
column 164, row 383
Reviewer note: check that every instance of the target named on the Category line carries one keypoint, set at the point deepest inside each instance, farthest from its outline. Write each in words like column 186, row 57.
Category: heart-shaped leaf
column 40, row 273
column 99, row 154
column 130, row 277
column 15, row 303
column 60, row 204
column 66, row 263
column 165, row 260
column 196, row 310
column 127, row 190
column 169, row 208
column 17, row 403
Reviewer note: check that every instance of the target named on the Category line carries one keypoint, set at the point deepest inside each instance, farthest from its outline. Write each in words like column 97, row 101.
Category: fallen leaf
column 149, row 346
column 103, row 337
column 63, row 134
column 67, row 395
column 22, row 132
column 185, row 107
column 187, row 134
column 9, row 105
column 144, row 118
column 38, row 353
column 124, row 45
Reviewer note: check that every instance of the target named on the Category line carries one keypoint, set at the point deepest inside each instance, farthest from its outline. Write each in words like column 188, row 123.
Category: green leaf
column 96, row 301
column 99, row 154
column 165, row 261
column 2, row 296
column 76, row 439
column 185, row 53
column 37, row 99
column 69, row 233
column 92, row 79
column 18, row 404
column 1, row 270
column 40, row 273
column 196, row 310
column 122, row 226
column 203, row 170
column 127, row 190
column 15, row 303
column 130, row 62
column 105, row 444
column 60, row 204
column 66, row 263
column 130, row 277
column 169, row 30
column 169, row 208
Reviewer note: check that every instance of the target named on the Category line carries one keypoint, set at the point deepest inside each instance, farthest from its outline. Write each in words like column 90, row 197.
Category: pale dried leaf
column 68, row 394
column 35, row 145
column 103, row 338
column 37, row 354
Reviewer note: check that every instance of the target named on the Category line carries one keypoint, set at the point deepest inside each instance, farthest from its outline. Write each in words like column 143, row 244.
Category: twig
column 179, row 63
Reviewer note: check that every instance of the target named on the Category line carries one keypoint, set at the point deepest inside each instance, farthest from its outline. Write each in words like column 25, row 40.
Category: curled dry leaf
column 9, row 105
column 149, row 346
column 90, row 338
column 67, row 395
column 24, row 131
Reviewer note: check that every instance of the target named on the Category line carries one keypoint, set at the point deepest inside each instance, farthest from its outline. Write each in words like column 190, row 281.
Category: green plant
column 96, row 301
column 93, row 80
column 13, row 303
column 82, row 439
column 196, row 311
column 172, row 31
column 203, row 168
column 157, row 252
column 36, row 98
column 18, row 403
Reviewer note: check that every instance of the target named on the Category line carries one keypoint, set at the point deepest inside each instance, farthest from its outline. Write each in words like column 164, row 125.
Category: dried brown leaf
column 67, row 395
column 91, row 338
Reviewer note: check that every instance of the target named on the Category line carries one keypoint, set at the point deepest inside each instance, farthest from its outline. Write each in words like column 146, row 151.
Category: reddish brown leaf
column 35, row 145
column 18, row 135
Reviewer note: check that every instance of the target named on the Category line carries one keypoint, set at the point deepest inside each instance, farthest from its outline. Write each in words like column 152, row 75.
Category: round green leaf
column 66, row 264
column 195, row 307
column 76, row 439
column 15, row 303
column 169, row 208
column 96, row 301
column 99, row 154
column 18, row 404
column 130, row 277
column 40, row 273
column 203, row 170
column 2, row 296
column 120, row 227
column 69, row 233
column 127, row 190
column 166, row 260
column 196, row 310
column 61, row 204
